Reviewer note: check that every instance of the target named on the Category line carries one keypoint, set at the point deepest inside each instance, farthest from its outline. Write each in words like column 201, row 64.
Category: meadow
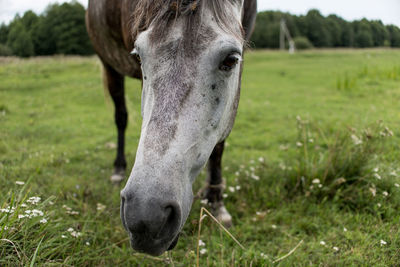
column 311, row 167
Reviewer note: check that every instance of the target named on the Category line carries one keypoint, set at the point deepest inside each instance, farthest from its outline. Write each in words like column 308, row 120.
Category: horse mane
column 162, row 12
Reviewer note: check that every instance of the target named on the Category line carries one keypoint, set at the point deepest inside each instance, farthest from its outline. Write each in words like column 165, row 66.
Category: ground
column 311, row 166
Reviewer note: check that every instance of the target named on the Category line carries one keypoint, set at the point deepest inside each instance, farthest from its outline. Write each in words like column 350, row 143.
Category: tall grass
column 366, row 76
column 325, row 168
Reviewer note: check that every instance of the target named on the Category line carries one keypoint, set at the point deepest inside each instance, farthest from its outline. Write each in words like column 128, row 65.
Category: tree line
column 315, row 30
column 61, row 30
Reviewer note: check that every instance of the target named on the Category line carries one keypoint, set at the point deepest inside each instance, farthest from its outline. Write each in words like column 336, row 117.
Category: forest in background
column 60, row 29
column 315, row 30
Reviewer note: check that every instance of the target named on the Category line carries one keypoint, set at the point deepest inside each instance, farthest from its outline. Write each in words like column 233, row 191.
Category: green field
column 312, row 165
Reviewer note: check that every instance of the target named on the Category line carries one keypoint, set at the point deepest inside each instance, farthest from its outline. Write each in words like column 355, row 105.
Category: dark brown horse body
column 109, row 23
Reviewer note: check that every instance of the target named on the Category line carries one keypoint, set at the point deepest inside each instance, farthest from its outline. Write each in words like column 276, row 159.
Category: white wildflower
column 20, row 216
column 203, row 251
column 63, row 236
column 341, row 180
column 376, row 169
column 274, row 226
column 238, row 187
column 377, row 176
column 111, row 145
column 385, row 194
column 76, row 234
column 201, row 243
column 282, row 166
column 335, row 248
column 311, row 140
column 316, row 181
column 379, row 205
column 72, row 212
column 261, row 159
column 44, row 220
column 34, row 200
column 397, row 185
column 263, row 255
column 87, row 244
column 389, row 132
column 100, row 207
column 383, row 242
column 204, row 201
column 261, row 214
column 237, row 173
column 373, row 191
column 19, row 182
column 23, row 205
column 231, row 189
column 255, row 177
column 284, row 147
column 299, row 144
column 225, row 195
column 344, row 229
column 8, row 210
column 322, row 243
column 36, row 213
column 393, row 173
column 356, row 140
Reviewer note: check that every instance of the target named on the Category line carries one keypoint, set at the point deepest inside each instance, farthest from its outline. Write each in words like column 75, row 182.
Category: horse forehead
column 189, row 35
column 174, row 72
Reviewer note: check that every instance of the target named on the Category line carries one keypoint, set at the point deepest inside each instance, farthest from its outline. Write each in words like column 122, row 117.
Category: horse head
column 191, row 57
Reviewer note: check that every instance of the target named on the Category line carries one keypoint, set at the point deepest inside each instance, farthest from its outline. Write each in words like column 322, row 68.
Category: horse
column 189, row 56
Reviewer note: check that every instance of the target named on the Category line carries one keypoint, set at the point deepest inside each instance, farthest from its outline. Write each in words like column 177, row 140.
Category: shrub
column 302, row 43
column 5, row 51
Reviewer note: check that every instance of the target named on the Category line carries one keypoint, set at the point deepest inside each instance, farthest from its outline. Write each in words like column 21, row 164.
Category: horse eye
column 138, row 58
column 229, row 62
column 136, row 55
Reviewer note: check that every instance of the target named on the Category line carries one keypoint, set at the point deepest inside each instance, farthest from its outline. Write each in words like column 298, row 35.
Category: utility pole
column 285, row 34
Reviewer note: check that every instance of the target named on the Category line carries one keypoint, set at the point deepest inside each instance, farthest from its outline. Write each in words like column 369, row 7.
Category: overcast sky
column 386, row 10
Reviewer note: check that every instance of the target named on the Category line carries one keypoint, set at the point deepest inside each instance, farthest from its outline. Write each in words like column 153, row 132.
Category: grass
column 311, row 165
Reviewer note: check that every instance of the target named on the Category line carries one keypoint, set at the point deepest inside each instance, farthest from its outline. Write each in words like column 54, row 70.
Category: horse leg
column 215, row 187
column 115, row 84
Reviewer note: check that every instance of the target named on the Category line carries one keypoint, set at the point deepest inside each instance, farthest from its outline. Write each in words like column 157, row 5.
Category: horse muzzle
column 153, row 223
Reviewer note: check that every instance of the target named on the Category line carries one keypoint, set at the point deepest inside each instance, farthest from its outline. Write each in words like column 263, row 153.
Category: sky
column 386, row 10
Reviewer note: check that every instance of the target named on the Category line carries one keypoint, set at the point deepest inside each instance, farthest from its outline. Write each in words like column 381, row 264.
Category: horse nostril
column 122, row 211
column 172, row 219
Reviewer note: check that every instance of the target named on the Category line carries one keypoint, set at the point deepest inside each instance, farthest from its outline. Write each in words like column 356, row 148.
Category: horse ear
column 240, row 5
